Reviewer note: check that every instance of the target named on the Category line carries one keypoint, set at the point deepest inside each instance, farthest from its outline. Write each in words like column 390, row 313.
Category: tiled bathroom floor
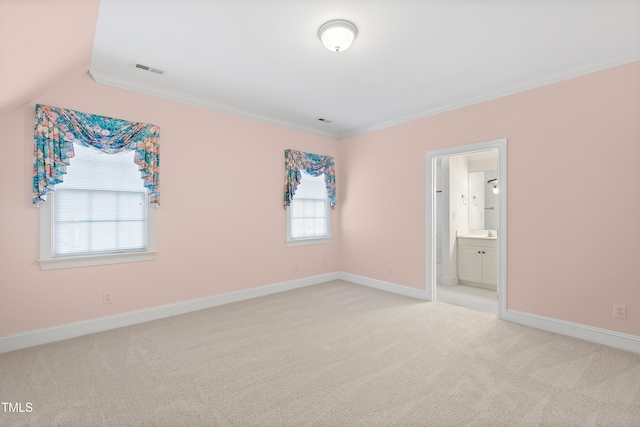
column 470, row 297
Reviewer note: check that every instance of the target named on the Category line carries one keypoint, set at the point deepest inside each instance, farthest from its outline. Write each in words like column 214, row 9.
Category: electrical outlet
column 390, row 271
column 325, row 264
column 107, row 298
column 620, row 311
column 295, row 267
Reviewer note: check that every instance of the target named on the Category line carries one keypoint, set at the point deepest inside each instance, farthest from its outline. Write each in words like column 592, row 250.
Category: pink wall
column 573, row 202
column 573, row 197
column 41, row 42
column 221, row 227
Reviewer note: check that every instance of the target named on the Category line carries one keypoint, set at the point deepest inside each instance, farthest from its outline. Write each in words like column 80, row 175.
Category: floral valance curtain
column 314, row 165
column 57, row 129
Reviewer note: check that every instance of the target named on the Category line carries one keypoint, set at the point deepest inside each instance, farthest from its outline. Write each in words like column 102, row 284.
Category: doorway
column 442, row 231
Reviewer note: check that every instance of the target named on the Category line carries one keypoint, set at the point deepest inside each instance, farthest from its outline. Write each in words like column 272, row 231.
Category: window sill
column 86, row 261
column 311, row 241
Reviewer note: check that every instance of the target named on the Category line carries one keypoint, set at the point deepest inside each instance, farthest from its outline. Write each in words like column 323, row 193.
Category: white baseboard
column 575, row 330
column 449, row 281
column 73, row 330
column 385, row 286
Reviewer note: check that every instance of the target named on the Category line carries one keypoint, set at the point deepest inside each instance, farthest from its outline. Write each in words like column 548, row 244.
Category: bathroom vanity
column 478, row 260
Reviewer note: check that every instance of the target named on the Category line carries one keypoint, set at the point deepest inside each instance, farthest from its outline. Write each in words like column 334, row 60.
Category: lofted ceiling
column 263, row 59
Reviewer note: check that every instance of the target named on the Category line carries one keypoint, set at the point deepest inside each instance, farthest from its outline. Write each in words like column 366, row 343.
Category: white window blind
column 308, row 210
column 100, row 207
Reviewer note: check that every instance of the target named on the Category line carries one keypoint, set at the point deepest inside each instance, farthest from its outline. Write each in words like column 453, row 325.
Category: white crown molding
column 550, row 78
column 110, row 80
column 547, row 79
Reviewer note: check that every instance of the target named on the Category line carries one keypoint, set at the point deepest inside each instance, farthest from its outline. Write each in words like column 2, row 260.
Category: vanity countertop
column 478, row 236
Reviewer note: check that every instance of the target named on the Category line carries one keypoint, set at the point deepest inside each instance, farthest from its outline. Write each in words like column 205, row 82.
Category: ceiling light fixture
column 337, row 35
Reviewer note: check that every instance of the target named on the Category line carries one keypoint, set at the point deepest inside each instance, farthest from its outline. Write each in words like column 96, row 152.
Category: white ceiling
column 263, row 59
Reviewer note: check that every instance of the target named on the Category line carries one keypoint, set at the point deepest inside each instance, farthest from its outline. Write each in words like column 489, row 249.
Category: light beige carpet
column 335, row 354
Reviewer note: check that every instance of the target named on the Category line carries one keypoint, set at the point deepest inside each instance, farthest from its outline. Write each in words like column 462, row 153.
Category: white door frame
column 501, row 146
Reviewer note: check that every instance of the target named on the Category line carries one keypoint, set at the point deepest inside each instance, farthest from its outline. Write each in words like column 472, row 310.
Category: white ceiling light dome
column 337, row 35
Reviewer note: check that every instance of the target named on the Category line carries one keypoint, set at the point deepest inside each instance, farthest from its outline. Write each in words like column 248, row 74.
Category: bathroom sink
column 478, row 236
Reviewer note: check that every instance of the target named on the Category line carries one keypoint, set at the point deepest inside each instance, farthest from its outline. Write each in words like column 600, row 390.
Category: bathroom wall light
column 337, row 35
column 494, row 183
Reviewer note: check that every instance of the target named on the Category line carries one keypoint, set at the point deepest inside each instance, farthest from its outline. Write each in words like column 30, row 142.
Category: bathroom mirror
column 483, row 203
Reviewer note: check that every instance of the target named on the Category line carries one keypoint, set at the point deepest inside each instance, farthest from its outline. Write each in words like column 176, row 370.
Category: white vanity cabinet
column 478, row 262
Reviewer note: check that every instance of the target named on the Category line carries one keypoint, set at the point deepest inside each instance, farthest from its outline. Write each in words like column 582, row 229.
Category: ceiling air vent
column 147, row 68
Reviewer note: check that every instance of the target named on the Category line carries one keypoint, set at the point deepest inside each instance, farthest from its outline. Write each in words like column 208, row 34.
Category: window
column 308, row 215
column 99, row 214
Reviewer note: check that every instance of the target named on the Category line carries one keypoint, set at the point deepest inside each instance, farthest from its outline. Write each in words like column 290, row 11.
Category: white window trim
column 48, row 262
column 308, row 241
